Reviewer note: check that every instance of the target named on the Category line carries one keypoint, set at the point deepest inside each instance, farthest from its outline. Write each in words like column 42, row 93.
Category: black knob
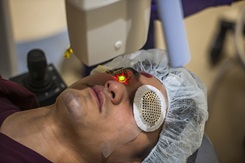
column 37, row 80
column 37, row 65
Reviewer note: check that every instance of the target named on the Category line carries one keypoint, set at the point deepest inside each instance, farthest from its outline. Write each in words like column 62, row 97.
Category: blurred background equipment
column 42, row 79
column 8, row 60
column 226, row 97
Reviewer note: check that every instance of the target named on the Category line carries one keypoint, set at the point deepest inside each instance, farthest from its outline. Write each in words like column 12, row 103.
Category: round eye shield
column 149, row 108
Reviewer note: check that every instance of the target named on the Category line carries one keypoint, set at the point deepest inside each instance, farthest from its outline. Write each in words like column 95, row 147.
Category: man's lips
column 99, row 95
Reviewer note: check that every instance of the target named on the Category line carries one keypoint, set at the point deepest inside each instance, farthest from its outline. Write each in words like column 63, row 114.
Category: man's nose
column 118, row 91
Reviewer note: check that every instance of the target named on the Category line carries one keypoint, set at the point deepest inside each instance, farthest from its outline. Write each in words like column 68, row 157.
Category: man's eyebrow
column 121, row 69
column 136, row 73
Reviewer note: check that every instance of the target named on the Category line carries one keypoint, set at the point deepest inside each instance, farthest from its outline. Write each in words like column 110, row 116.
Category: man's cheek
column 74, row 106
column 122, row 115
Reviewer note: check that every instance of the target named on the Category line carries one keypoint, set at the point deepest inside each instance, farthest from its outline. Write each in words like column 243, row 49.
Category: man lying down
column 133, row 109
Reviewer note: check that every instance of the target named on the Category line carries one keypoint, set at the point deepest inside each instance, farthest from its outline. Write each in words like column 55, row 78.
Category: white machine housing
column 100, row 30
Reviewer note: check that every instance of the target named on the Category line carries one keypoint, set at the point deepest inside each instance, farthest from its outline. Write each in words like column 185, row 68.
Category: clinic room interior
column 224, row 75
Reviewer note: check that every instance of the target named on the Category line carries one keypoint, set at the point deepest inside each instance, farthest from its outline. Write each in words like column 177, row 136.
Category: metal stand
column 8, row 57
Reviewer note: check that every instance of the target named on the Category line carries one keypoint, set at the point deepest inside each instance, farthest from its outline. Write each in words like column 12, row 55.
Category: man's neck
column 40, row 130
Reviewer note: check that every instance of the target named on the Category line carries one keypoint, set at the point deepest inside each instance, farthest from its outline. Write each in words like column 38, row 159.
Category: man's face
column 100, row 108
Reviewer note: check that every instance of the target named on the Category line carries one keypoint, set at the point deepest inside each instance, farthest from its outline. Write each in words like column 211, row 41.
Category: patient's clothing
column 14, row 98
column 12, row 151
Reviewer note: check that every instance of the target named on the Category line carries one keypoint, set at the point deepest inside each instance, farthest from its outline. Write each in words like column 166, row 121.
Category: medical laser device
column 100, row 30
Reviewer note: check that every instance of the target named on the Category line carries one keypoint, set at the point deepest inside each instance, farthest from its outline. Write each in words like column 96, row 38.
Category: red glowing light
column 121, row 77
